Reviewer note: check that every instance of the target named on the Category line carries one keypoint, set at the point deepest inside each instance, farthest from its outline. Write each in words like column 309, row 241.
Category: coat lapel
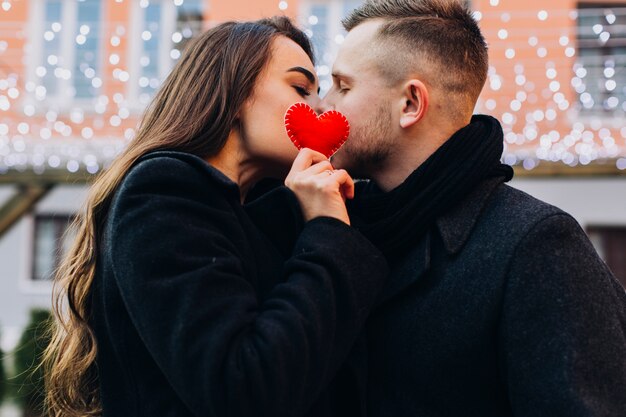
column 454, row 227
column 278, row 216
column 408, row 270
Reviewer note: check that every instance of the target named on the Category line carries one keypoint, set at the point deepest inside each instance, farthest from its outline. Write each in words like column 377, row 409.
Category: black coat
column 197, row 314
column 502, row 309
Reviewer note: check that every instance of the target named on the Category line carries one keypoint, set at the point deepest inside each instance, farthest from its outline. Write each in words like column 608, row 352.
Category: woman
column 178, row 305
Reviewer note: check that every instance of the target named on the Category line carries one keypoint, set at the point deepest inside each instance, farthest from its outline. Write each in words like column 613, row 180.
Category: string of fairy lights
column 73, row 90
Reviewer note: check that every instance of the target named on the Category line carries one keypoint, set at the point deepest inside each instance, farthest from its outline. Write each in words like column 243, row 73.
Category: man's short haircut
column 438, row 39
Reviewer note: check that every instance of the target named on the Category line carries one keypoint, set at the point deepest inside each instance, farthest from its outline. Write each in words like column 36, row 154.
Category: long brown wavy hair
column 194, row 111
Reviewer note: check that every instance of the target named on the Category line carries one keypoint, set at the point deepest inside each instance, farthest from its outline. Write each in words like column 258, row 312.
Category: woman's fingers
column 338, row 180
column 307, row 157
column 322, row 192
column 343, row 182
column 346, row 183
column 318, row 168
column 308, row 163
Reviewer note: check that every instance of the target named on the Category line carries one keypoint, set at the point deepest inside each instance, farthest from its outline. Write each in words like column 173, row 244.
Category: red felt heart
column 324, row 133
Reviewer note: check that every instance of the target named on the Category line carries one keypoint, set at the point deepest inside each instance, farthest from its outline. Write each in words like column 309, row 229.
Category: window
column 53, row 237
column 160, row 32
column 188, row 24
column 87, row 39
column 610, row 242
column 150, row 78
column 66, row 49
column 600, row 75
column 323, row 25
column 320, row 32
column 52, row 38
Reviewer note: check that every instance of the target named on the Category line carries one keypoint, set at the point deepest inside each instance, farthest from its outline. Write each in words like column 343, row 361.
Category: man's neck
column 410, row 155
column 396, row 170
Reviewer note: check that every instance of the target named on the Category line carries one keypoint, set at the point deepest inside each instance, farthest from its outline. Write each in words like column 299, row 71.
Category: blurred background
column 75, row 77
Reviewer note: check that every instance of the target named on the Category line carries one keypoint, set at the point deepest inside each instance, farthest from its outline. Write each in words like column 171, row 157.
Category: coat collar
column 278, row 215
column 213, row 173
column 407, row 270
column 455, row 227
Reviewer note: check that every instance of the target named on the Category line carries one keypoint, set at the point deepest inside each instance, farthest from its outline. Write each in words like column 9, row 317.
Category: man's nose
column 323, row 106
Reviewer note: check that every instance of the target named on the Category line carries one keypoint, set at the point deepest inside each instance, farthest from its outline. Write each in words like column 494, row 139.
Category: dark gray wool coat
column 197, row 314
column 502, row 309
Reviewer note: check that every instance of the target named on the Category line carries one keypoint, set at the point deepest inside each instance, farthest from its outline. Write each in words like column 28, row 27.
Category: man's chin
column 340, row 160
column 345, row 160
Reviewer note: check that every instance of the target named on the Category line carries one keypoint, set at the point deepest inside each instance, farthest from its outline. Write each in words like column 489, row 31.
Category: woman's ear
column 415, row 97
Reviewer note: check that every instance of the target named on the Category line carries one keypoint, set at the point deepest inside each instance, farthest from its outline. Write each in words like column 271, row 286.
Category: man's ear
column 415, row 103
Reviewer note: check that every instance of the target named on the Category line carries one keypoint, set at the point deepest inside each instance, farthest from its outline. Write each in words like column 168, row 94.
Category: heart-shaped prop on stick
column 324, row 133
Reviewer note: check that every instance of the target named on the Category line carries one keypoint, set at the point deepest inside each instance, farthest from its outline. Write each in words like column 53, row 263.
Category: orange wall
column 13, row 22
column 220, row 11
column 13, row 32
column 522, row 24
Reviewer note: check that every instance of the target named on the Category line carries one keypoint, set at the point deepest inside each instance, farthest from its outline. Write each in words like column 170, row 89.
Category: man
column 497, row 304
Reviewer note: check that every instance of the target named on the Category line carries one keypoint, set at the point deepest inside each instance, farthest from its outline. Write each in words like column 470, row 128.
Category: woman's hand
column 321, row 190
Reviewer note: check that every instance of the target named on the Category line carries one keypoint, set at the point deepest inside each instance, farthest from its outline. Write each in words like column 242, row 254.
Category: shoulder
column 540, row 233
column 172, row 194
column 544, row 250
column 553, row 258
column 522, row 206
column 515, row 212
column 176, row 174
column 175, row 168
column 512, row 218
column 166, row 164
column 167, row 181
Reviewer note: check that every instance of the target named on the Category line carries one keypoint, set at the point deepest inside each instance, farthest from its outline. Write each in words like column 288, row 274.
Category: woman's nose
column 314, row 101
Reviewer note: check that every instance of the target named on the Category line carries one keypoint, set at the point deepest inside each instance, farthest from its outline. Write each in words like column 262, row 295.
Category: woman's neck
column 233, row 162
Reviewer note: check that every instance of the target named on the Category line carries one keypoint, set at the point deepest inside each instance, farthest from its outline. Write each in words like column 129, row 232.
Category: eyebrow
column 341, row 75
column 308, row 74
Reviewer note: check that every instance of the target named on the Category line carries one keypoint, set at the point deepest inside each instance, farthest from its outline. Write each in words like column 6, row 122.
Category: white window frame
column 167, row 26
column 62, row 101
column 335, row 28
column 589, row 115
column 27, row 285
column 335, row 8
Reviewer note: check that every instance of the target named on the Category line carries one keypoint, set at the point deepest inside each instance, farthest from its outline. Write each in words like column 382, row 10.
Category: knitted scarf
column 396, row 220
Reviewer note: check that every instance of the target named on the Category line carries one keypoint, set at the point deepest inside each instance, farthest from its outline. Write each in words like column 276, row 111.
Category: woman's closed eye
column 302, row 91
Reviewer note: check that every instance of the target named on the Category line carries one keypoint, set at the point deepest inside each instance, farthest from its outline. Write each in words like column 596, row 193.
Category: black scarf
column 396, row 220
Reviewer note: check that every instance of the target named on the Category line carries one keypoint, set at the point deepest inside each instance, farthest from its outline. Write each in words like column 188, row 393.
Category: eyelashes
column 302, row 91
